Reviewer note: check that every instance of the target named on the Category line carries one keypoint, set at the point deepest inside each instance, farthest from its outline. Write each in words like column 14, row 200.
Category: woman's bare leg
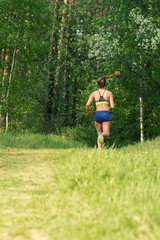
column 98, row 127
column 106, row 129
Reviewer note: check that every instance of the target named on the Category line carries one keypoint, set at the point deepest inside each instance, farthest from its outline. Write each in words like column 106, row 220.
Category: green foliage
column 84, row 133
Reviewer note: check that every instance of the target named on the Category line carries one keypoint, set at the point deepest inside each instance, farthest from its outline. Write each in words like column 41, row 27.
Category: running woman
column 104, row 103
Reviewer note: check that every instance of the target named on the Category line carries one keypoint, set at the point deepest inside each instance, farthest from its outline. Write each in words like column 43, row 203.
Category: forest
column 52, row 53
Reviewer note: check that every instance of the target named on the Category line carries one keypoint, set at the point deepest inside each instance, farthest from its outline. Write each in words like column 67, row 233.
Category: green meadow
column 53, row 189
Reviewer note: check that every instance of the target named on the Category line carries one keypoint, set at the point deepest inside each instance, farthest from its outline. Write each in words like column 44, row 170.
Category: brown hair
column 101, row 81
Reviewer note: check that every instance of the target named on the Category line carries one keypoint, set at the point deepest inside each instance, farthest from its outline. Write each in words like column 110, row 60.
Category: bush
column 85, row 134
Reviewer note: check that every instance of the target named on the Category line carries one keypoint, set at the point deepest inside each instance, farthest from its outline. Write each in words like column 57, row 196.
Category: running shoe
column 100, row 137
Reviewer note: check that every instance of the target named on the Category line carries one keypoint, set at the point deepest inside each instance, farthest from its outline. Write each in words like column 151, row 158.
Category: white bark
column 141, row 108
column 141, row 120
column 9, row 83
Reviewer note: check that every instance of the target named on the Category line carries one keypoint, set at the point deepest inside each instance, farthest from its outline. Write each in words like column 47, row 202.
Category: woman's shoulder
column 108, row 92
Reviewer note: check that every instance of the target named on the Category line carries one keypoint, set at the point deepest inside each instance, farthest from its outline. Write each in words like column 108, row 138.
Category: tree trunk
column 9, row 83
column 73, row 116
column 65, row 87
column 100, row 9
column 51, row 70
column 56, row 102
column 1, row 117
column 5, row 58
column 52, row 41
column 66, row 84
column 141, row 121
column 60, row 42
column 141, row 107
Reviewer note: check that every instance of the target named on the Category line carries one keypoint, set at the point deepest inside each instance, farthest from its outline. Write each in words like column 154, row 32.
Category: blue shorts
column 102, row 116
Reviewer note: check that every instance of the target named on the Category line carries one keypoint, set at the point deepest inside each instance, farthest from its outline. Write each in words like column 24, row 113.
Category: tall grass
column 35, row 141
column 81, row 194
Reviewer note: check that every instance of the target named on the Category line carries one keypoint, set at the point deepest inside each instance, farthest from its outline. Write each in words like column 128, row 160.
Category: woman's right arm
column 88, row 104
column 115, row 73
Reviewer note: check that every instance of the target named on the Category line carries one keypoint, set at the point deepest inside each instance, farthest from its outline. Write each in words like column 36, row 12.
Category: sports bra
column 101, row 99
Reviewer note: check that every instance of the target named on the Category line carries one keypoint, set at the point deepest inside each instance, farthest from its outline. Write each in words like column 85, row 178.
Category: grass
column 36, row 141
column 80, row 194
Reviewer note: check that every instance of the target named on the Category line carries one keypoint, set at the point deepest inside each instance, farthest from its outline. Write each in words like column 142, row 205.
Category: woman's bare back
column 107, row 95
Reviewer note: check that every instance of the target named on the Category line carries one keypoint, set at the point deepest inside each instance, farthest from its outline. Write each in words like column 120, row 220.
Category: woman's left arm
column 111, row 102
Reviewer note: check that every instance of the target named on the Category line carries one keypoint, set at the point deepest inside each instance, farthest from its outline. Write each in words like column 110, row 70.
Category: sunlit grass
column 80, row 194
